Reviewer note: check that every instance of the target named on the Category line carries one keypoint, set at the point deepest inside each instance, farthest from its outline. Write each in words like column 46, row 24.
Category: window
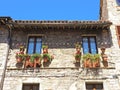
column 89, row 44
column 30, row 87
column 118, row 2
column 34, row 45
column 118, row 34
column 94, row 86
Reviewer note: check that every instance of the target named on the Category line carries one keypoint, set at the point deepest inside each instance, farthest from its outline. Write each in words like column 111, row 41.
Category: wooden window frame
column 89, row 43
column 35, row 37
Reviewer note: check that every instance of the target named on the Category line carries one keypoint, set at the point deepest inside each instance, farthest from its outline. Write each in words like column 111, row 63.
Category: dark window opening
column 30, row 87
column 94, row 86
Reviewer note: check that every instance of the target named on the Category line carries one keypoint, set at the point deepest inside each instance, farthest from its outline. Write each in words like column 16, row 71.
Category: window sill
column 14, row 68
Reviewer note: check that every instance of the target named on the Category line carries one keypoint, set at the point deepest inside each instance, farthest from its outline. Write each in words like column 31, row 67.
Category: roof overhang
column 62, row 24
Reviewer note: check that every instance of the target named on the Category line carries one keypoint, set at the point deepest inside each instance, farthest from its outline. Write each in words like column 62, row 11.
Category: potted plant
column 46, row 57
column 104, row 57
column 20, row 57
column 91, row 60
column 103, row 50
column 77, row 45
column 28, row 63
column 27, row 57
column 45, row 48
column 87, row 60
column 77, row 57
column 78, row 52
column 20, row 54
column 35, row 57
column 96, row 61
column 105, row 60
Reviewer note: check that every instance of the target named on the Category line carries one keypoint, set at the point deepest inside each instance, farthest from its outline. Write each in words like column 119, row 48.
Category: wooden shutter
column 118, row 34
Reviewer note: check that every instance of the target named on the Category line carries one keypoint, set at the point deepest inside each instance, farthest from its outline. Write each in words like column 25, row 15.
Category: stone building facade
column 63, row 72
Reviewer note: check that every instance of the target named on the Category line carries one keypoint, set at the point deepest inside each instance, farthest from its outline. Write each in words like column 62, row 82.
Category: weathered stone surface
column 62, row 73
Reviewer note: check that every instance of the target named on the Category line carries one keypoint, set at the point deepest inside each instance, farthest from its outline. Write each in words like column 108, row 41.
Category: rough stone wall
column 62, row 73
column 110, row 11
column 3, row 52
column 65, row 79
column 113, row 11
column 104, row 10
column 61, row 44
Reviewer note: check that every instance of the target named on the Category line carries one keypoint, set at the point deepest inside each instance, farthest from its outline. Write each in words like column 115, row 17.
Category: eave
column 62, row 24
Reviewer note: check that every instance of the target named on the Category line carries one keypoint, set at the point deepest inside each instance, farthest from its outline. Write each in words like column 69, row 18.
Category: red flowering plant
column 20, row 56
column 78, row 52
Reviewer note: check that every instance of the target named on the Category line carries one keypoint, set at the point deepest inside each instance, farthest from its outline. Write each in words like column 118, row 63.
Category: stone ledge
column 14, row 68
column 60, row 72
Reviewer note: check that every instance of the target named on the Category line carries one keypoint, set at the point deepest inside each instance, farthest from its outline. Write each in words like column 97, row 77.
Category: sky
column 50, row 9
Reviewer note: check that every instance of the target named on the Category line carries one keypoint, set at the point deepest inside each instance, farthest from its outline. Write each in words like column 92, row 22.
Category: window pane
column 85, row 45
column 31, row 46
column 38, row 45
column 93, row 45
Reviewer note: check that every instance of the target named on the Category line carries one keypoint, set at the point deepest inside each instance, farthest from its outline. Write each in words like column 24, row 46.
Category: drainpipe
column 6, row 57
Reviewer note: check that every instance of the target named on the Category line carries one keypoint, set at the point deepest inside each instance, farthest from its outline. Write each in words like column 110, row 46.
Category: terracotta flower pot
column 95, row 64
column 105, row 64
column 105, row 57
column 37, row 61
column 103, row 50
column 87, row 63
column 45, row 59
column 19, row 60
